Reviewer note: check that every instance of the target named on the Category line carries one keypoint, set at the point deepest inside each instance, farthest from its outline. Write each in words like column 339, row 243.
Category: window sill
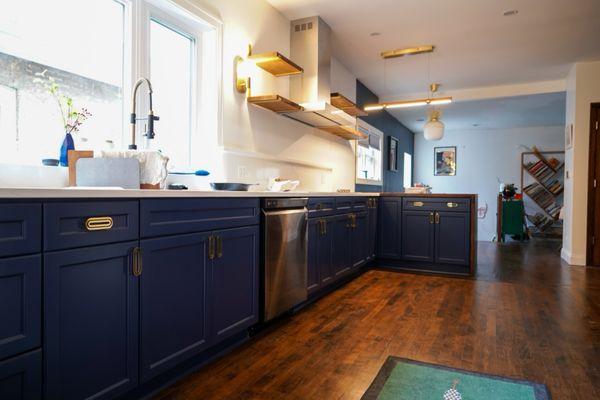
column 373, row 182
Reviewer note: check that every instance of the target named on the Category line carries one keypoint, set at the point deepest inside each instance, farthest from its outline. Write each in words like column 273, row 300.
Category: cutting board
column 120, row 172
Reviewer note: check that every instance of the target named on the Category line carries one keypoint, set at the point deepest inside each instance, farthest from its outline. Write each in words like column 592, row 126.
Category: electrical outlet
column 242, row 172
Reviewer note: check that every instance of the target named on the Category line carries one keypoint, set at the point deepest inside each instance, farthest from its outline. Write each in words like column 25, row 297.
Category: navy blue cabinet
column 360, row 239
column 341, row 256
column 418, row 235
column 91, row 322
column 320, row 249
column 173, row 301
column 233, row 277
column 20, row 304
column 390, row 227
column 21, row 377
column 452, row 237
column 372, row 236
column 20, row 229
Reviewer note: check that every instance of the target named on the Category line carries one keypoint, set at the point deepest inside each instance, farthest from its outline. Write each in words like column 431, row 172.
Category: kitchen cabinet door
column 452, row 237
column 20, row 304
column 233, row 281
column 21, row 377
column 91, row 322
column 418, row 235
column 360, row 239
column 372, row 237
column 173, row 294
column 325, row 253
column 313, row 279
column 341, row 255
column 390, row 227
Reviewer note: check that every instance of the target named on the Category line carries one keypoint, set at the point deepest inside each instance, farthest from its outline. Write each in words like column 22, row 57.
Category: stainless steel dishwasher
column 285, row 222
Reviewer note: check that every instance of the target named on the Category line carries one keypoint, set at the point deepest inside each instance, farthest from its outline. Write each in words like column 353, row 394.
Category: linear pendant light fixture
column 409, row 103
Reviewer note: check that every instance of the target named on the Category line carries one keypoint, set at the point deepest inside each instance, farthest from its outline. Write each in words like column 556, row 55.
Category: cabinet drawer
column 321, row 206
column 20, row 304
column 166, row 216
column 436, row 204
column 343, row 205
column 360, row 203
column 78, row 224
column 20, row 229
column 21, row 377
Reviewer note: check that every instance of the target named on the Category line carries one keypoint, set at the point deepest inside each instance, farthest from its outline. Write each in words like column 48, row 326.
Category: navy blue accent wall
column 385, row 122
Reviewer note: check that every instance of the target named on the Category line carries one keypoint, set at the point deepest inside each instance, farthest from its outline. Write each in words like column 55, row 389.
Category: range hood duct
column 311, row 48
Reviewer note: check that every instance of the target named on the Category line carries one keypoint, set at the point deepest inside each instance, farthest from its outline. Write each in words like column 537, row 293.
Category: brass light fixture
column 428, row 48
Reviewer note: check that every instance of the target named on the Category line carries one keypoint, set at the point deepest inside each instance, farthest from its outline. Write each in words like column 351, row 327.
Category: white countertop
column 77, row 193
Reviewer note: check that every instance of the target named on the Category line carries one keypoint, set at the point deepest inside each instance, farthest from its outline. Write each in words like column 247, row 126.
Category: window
column 407, row 170
column 81, row 48
column 94, row 54
column 368, row 155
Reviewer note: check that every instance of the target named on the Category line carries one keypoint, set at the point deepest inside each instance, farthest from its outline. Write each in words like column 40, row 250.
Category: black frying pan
column 237, row 187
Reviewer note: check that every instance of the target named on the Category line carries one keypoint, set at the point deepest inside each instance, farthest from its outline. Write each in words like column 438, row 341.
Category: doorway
column 593, row 229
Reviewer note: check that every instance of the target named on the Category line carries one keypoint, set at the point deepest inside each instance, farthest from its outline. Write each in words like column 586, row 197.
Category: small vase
column 67, row 144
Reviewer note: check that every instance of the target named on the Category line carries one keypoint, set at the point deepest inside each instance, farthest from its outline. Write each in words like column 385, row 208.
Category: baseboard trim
column 572, row 259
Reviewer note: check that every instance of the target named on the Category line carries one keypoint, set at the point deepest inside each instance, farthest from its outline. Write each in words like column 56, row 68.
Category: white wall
column 261, row 142
column 482, row 156
column 583, row 88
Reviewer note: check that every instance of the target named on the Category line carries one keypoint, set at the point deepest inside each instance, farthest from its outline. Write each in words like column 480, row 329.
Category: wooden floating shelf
column 343, row 103
column 275, row 103
column 345, row 132
column 276, row 64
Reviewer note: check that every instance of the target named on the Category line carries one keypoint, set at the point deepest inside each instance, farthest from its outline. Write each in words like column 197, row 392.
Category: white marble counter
column 78, row 193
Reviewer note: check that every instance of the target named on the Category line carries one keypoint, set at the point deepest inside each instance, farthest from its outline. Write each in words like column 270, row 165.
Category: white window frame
column 369, row 130
column 206, row 106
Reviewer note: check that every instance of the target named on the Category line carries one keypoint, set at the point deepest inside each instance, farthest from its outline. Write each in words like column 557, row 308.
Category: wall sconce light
column 241, row 73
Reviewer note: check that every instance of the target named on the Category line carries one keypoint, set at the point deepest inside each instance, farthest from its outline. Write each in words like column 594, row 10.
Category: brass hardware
column 211, row 247
column 242, row 84
column 136, row 261
column 407, row 51
column 324, row 227
column 431, row 218
column 437, row 217
column 452, row 205
column 418, row 204
column 98, row 223
column 219, row 247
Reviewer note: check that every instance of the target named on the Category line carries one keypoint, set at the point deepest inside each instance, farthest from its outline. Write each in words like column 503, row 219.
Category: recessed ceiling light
column 476, row 125
column 509, row 13
column 421, row 120
column 375, row 34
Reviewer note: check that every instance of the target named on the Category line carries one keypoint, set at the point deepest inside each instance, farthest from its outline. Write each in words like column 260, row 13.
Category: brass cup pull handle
column 418, row 204
column 98, row 223
column 437, row 218
column 452, row 205
column 137, row 261
column 219, row 247
column 431, row 218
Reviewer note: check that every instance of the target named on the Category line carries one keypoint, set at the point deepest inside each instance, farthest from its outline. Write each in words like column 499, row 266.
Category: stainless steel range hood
column 311, row 48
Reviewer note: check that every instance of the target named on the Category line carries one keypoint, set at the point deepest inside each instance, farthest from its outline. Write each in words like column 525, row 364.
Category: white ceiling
column 546, row 109
column 476, row 47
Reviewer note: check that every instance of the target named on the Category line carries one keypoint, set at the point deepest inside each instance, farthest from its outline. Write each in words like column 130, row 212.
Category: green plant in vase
column 72, row 117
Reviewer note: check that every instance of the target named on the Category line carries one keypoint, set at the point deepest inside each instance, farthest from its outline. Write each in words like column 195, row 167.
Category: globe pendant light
column 434, row 128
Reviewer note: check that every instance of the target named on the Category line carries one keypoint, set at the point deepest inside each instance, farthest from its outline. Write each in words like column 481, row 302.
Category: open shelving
column 544, row 172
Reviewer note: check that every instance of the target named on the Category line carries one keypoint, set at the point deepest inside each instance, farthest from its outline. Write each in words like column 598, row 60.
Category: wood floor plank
column 524, row 315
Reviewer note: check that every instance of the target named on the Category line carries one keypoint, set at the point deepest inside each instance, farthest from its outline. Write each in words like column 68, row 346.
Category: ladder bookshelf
column 543, row 183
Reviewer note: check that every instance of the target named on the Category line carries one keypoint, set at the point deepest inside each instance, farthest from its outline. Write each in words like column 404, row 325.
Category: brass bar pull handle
column 452, row 205
column 219, row 247
column 98, row 223
column 136, row 261
column 431, row 218
column 211, row 247
column 324, row 227
column 437, row 217
column 418, row 204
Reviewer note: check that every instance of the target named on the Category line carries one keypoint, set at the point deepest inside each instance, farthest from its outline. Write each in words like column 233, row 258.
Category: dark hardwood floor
column 525, row 315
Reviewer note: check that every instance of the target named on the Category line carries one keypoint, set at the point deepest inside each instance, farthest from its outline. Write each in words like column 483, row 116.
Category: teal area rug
column 403, row 379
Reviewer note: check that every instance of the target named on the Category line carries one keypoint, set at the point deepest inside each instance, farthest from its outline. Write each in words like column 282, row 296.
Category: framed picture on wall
column 392, row 153
column 444, row 161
